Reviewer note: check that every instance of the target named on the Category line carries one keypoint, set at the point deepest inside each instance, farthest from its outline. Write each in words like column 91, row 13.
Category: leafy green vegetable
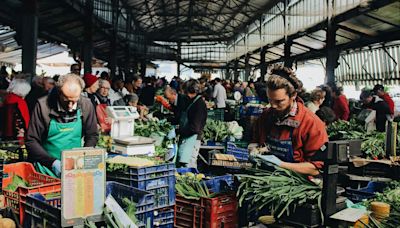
column 17, row 181
column 280, row 191
column 130, row 209
column 191, row 186
column 216, row 131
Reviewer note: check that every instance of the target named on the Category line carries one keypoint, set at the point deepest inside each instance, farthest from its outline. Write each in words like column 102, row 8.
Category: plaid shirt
column 66, row 116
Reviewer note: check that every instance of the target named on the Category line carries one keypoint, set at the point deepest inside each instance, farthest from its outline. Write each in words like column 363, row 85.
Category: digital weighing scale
column 122, row 132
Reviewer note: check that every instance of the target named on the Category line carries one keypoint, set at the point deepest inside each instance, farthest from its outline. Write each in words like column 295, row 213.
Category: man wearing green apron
column 59, row 121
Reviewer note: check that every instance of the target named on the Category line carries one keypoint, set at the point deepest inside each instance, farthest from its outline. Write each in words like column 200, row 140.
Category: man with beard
column 292, row 133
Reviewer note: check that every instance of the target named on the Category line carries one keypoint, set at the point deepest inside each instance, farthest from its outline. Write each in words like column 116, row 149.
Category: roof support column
column 178, row 61
column 263, row 65
column 247, row 67
column 288, row 60
column 29, row 36
column 227, row 72
column 236, row 71
column 143, row 68
column 88, row 37
column 127, row 49
column 113, row 41
column 332, row 52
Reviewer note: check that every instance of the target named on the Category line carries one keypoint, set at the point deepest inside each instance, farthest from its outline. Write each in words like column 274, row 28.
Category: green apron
column 63, row 136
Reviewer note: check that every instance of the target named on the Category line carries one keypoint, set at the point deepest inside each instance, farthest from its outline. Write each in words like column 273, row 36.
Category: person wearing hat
column 292, row 132
column 380, row 91
column 91, row 84
column 59, row 122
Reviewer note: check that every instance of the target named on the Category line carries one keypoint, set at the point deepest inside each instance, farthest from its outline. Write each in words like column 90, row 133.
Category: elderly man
column 179, row 103
column 59, row 122
column 101, row 101
column 76, row 69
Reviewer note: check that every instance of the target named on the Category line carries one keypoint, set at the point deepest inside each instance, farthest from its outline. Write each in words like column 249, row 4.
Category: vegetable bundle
column 215, row 130
column 191, row 186
column 279, row 191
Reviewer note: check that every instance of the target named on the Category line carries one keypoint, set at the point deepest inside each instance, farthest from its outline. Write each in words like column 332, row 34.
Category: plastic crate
column 164, row 219
column 216, row 184
column 216, row 114
column 1, row 173
column 39, row 211
column 220, row 211
column 39, row 183
column 371, row 169
column 144, row 200
column 159, row 180
column 358, row 195
column 253, row 99
column 239, row 153
column 230, row 164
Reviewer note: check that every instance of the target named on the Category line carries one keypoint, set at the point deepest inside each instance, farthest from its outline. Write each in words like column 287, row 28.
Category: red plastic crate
column 217, row 212
column 39, row 183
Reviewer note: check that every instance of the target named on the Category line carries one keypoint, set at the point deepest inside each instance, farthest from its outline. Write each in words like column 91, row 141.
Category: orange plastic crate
column 39, row 183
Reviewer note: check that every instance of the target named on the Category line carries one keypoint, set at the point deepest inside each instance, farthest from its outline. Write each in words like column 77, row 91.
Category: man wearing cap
column 380, row 91
column 59, row 121
column 291, row 132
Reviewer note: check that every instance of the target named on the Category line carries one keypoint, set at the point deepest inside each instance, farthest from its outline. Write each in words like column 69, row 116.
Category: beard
column 280, row 114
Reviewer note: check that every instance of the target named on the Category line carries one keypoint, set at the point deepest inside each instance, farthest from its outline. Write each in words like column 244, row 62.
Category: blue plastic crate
column 144, row 200
column 252, row 99
column 143, row 171
column 38, row 211
column 162, row 188
column 358, row 195
column 239, row 153
column 164, row 218
column 254, row 111
column 220, row 184
column 216, row 184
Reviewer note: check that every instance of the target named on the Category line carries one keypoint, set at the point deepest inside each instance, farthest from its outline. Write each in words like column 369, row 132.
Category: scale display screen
column 122, row 114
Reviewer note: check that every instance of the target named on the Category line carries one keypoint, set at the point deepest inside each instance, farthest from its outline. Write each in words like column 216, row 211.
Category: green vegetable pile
column 342, row 130
column 17, row 181
column 105, row 142
column 216, row 131
column 391, row 195
column 112, row 220
column 373, row 143
column 279, row 191
column 191, row 186
column 156, row 129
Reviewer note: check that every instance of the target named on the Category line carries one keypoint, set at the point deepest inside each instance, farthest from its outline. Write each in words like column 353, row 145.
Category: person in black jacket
column 179, row 103
column 382, row 109
column 191, row 125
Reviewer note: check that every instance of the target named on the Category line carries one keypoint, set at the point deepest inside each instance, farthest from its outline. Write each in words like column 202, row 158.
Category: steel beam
column 29, row 36
column 88, row 37
column 263, row 65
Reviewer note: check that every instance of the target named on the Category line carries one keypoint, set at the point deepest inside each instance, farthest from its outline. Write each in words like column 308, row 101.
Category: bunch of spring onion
column 278, row 191
column 191, row 186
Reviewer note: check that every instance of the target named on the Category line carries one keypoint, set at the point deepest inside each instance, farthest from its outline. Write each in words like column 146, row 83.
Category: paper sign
column 83, row 182
column 349, row 214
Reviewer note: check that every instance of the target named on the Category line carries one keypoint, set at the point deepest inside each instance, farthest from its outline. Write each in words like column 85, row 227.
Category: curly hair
column 284, row 78
column 317, row 94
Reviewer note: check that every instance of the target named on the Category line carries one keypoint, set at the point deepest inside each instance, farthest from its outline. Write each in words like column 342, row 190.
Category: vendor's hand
column 108, row 120
column 252, row 146
column 56, row 167
column 271, row 159
column 171, row 134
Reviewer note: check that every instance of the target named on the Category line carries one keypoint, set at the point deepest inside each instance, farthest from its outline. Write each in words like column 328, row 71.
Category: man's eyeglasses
column 76, row 69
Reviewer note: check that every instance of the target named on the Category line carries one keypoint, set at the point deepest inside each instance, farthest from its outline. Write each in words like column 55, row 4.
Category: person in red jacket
column 380, row 91
column 292, row 132
column 340, row 104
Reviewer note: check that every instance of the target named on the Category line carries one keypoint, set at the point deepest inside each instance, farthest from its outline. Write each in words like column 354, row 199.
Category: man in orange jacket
column 292, row 133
